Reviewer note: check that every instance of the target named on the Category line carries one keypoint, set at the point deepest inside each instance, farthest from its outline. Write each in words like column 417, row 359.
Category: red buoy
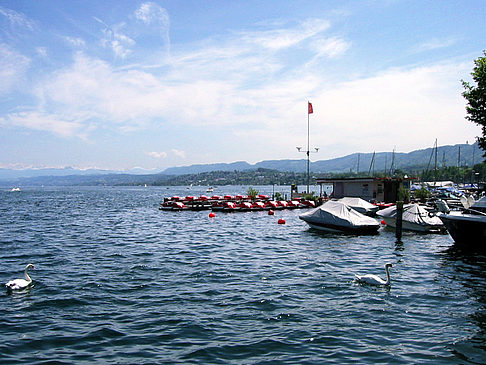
column 281, row 221
column 212, row 215
column 383, row 222
column 271, row 212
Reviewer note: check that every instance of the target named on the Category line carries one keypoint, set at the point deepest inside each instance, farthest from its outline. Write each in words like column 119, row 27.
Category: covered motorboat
column 335, row 216
column 414, row 218
column 468, row 227
column 360, row 205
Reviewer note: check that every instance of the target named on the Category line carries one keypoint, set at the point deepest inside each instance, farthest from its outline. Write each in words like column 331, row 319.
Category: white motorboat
column 360, row 205
column 414, row 218
column 335, row 216
column 468, row 227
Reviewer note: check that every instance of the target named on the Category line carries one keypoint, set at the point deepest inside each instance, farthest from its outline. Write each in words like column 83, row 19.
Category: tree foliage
column 476, row 98
column 461, row 174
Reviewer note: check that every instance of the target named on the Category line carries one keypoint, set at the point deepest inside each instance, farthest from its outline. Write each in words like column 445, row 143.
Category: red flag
column 310, row 108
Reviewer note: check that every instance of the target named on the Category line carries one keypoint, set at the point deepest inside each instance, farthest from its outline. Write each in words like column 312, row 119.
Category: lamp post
column 308, row 151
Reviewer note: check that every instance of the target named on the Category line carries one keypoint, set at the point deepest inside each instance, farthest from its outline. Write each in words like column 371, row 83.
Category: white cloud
column 179, row 153
column 42, row 122
column 286, row 37
column 13, row 67
column 156, row 21
column 114, row 39
column 157, row 154
column 41, row 51
column 119, row 43
column 75, row 41
column 330, row 47
column 150, row 13
column 434, row 44
column 16, row 19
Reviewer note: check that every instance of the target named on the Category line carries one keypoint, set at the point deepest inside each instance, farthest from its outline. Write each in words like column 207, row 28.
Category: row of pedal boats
column 230, row 203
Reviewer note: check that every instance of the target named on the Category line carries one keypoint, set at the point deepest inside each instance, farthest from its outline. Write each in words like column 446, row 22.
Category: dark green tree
column 476, row 98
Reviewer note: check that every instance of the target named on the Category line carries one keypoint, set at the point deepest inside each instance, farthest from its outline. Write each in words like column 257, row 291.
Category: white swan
column 20, row 284
column 374, row 279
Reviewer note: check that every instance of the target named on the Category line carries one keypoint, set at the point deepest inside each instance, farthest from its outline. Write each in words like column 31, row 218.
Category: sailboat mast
column 459, row 157
column 372, row 164
column 435, row 164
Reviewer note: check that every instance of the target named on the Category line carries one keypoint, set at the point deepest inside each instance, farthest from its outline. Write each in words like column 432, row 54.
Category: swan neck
column 387, row 269
column 27, row 277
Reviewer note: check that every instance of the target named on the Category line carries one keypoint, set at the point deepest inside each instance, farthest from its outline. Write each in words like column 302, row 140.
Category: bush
column 252, row 192
column 422, row 194
column 404, row 195
column 311, row 196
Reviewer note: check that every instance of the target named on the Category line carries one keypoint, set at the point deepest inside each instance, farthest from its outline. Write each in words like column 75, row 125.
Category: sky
column 154, row 84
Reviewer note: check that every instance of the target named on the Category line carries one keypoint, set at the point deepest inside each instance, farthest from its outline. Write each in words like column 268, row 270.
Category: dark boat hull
column 466, row 229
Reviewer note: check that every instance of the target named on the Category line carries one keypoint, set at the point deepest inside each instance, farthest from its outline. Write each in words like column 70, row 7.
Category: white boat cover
column 412, row 213
column 360, row 205
column 338, row 214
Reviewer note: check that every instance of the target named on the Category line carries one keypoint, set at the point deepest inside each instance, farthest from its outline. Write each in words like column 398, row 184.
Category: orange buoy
column 212, row 215
column 383, row 222
column 281, row 221
column 271, row 212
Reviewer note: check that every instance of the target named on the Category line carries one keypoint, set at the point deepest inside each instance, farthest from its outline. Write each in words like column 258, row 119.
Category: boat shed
column 382, row 189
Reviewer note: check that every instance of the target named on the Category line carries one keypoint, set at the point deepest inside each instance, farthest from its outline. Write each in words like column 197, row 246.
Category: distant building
column 382, row 189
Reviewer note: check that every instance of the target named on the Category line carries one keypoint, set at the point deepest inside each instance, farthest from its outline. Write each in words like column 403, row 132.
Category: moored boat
column 258, row 206
column 360, row 205
column 415, row 218
column 173, row 205
column 468, row 227
column 335, row 216
column 225, row 207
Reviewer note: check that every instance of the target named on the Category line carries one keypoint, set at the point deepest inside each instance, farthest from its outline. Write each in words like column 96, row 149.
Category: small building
column 382, row 189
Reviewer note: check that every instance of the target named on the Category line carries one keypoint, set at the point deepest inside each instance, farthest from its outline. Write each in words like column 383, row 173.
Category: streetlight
column 308, row 152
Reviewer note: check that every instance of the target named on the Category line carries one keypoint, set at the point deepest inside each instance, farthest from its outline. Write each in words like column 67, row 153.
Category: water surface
column 118, row 281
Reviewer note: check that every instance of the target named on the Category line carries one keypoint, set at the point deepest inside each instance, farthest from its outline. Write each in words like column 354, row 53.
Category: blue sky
column 124, row 84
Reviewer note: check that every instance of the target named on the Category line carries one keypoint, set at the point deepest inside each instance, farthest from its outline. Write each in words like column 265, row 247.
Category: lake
column 118, row 281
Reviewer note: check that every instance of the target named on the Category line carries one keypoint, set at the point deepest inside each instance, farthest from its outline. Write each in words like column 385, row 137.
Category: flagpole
column 308, row 149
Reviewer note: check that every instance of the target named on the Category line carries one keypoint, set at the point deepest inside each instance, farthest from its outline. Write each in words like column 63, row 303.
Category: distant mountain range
column 9, row 174
column 460, row 154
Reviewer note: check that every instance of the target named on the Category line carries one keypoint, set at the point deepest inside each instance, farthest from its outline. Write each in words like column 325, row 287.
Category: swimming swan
column 374, row 279
column 20, row 284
